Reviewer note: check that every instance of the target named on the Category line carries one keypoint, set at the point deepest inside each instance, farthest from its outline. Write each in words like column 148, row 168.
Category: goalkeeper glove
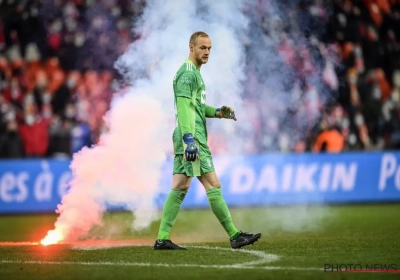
column 226, row 113
column 191, row 153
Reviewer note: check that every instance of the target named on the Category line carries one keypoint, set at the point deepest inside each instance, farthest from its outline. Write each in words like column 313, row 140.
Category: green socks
column 221, row 211
column 217, row 204
column 170, row 212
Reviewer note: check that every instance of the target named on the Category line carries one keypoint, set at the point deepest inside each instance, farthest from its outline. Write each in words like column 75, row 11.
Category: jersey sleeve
column 185, row 84
column 184, row 118
column 210, row 111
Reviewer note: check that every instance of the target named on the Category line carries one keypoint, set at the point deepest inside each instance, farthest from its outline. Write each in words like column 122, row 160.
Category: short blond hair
column 196, row 35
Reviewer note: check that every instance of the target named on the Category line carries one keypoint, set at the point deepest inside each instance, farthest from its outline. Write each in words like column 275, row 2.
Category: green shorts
column 193, row 168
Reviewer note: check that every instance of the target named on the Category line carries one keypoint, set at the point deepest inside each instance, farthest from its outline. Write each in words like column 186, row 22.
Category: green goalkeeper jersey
column 188, row 83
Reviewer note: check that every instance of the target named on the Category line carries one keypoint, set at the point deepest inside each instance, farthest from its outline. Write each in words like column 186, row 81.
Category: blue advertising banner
column 38, row 185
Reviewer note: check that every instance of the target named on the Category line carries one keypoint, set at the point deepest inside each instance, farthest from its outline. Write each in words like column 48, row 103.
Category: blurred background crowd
column 57, row 75
column 56, row 72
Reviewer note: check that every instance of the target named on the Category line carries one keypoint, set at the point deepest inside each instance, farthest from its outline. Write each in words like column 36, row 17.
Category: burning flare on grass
column 53, row 237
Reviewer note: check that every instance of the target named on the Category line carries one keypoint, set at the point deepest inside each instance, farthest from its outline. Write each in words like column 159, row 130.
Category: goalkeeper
column 192, row 154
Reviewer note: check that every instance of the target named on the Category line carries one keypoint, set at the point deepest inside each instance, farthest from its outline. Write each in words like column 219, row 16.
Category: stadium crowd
column 57, row 76
column 56, row 72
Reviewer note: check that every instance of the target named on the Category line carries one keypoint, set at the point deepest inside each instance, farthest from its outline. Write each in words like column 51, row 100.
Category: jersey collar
column 191, row 62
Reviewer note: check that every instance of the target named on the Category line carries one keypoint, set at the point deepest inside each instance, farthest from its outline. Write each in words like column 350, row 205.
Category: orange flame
column 53, row 237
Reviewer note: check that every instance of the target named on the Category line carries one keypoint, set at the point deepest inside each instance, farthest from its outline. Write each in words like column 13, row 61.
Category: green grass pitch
column 297, row 243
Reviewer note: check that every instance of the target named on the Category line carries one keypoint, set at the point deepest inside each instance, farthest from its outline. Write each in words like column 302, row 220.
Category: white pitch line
column 92, row 247
column 263, row 257
column 161, row 265
column 290, row 268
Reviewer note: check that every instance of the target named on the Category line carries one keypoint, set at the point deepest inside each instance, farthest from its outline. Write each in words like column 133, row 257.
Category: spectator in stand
column 329, row 140
column 59, row 137
column 34, row 134
column 11, row 145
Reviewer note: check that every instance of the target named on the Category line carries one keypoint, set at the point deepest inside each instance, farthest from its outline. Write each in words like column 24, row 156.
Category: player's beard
column 201, row 60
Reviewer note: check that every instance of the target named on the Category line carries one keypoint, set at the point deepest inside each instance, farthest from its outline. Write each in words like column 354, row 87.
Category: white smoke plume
column 124, row 169
column 289, row 100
